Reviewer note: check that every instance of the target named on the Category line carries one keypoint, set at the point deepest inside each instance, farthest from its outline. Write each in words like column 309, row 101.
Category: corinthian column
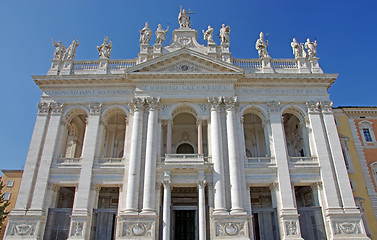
column 217, row 156
column 135, row 152
column 150, row 158
column 234, row 166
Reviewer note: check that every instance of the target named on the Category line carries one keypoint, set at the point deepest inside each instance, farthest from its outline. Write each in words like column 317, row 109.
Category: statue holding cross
column 184, row 19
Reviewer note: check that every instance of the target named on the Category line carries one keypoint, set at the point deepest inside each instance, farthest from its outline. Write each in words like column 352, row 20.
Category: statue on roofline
column 145, row 34
column 261, row 46
column 59, row 50
column 311, row 47
column 105, row 49
column 224, row 34
column 298, row 49
column 208, row 35
column 161, row 34
column 184, row 19
column 70, row 53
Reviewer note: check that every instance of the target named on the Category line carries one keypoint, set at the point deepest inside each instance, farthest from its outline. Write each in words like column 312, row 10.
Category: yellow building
column 348, row 119
column 12, row 180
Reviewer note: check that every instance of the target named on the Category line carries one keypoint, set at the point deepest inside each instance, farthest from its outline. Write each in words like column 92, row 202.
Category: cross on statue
column 189, row 13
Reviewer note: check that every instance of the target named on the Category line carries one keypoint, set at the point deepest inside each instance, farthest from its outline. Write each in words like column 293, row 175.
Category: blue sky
column 345, row 31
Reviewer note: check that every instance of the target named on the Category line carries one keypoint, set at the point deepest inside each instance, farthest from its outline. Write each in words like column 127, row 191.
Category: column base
column 25, row 227
column 290, row 225
column 230, row 227
column 346, row 226
column 80, row 227
column 137, row 226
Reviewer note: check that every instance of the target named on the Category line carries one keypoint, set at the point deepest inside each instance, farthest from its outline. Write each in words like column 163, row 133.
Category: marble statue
column 261, row 46
column 70, row 53
column 105, row 49
column 184, row 19
column 298, row 49
column 161, row 34
column 145, row 34
column 311, row 47
column 59, row 50
column 224, row 34
column 208, row 35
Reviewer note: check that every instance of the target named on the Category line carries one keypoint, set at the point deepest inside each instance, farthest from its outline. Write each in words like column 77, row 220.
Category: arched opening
column 185, row 133
column 255, row 140
column 296, row 136
column 185, row 148
column 113, row 135
column 73, row 136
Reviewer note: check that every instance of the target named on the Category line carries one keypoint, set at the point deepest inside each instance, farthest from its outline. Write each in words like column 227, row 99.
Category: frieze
column 352, row 227
column 283, row 91
column 88, row 92
column 21, row 229
column 192, row 87
column 230, row 229
column 137, row 229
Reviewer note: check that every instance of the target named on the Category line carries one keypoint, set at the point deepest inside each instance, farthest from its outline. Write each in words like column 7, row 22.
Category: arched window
column 113, row 134
column 185, row 148
column 73, row 135
column 255, row 140
column 296, row 136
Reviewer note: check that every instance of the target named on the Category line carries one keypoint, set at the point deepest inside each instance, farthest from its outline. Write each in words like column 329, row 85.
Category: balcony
column 252, row 162
column 184, row 160
column 68, row 162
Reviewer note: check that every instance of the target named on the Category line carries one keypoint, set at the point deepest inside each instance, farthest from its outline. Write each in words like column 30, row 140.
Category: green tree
column 3, row 205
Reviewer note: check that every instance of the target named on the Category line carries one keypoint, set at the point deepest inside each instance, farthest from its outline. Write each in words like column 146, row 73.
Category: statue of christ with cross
column 184, row 19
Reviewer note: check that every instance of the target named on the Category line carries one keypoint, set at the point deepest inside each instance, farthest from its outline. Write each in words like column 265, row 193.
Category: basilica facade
column 185, row 142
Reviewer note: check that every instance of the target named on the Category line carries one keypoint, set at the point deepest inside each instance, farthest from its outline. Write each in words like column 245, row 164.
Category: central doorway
column 185, row 223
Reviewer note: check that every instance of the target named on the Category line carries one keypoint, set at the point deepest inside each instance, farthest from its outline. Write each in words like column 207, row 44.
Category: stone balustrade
column 184, row 159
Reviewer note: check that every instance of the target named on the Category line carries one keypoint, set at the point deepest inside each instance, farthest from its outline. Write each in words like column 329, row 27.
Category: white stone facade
column 186, row 130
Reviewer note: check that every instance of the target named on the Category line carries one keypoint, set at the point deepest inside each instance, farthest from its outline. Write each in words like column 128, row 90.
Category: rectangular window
column 10, row 183
column 368, row 137
column 7, row 196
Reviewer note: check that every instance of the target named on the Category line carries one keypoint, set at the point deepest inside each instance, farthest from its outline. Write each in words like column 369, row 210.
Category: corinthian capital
column 138, row 103
column 95, row 108
column 231, row 103
column 56, row 108
column 152, row 102
column 313, row 107
column 215, row 102
column 43, row 108
column 326, row 106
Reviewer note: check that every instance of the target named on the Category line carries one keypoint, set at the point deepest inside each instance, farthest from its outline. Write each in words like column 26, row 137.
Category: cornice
column 357, row 111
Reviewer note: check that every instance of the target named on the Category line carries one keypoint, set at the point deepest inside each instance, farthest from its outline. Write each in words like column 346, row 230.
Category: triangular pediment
column 184, row 61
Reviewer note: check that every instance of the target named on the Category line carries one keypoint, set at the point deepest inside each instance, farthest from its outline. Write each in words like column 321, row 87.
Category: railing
column 121, row 64
column 184, row 159
column 92, row 65
column 68, row 161
column 85, row 65
column 110, row 160
column 259, row 160
column 302, row 159
column 247, row 63
column 283, row 63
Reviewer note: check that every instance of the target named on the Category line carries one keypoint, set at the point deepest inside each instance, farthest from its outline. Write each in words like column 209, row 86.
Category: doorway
column 185, row 223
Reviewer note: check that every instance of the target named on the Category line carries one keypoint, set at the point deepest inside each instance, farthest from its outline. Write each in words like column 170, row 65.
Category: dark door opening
column 184, row 224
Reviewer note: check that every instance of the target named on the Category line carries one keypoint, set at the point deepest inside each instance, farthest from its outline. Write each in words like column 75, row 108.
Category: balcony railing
column 110, row 161
column 184, row 159
column 68, row 161
column 299, row 160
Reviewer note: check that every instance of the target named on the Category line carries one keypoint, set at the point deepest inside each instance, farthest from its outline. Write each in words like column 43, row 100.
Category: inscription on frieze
column 88, row 92
column 286, row 91
column 192, row 87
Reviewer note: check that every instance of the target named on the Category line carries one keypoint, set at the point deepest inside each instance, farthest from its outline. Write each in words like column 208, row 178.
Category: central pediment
column 184, row 61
